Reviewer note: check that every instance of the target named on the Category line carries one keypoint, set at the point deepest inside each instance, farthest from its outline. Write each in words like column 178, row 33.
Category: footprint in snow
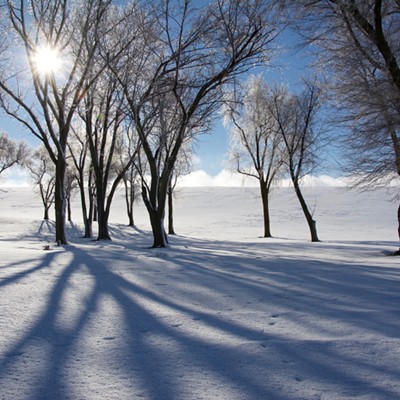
column 109, row 338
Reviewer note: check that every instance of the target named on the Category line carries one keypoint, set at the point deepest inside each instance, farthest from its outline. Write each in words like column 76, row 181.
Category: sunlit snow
column 221, row 314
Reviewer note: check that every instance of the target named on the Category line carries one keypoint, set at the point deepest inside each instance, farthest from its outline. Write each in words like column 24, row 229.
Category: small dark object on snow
column 392, row 253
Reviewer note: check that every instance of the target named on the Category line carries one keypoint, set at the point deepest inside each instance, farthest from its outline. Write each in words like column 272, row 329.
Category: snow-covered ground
column 221, row 314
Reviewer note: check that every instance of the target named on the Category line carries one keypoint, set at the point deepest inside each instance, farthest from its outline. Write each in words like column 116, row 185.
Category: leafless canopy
column 359, row 47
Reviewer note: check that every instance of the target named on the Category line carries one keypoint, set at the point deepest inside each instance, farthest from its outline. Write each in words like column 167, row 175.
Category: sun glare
column 47, row 60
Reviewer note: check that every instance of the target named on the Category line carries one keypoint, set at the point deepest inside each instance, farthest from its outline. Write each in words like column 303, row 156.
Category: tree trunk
column 102, row 220
column 95, row 212
column 171, row 230
column 87, row 219
column 312, row 224
column 60, row 201
column 129, row 199
column 102, row 217
column 69, row 209
column 265, row 200
column 46, row 213
column 159, row 235
column 131, row 221
column 398, row 224
column 88, row 227
column 156, row 214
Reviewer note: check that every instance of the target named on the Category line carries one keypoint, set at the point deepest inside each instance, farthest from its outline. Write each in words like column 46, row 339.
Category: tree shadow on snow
column 203, row 320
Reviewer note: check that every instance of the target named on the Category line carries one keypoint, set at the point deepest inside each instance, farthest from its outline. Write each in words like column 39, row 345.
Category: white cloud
column 231, row 179
column 195, row 178
column 319, row 181
column 19, row 177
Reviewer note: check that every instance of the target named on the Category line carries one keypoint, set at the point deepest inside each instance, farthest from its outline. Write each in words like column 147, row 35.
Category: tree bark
column 159, row 236
column 129, row 200
column 87, row 219
column 45, row 202
column 171, row 230
column 69, row 209
column 102, row 215
column 265, row 201
column 131, row 221
column 60, row 201
column 156, row 210
column 312, row 224
column 103, row 232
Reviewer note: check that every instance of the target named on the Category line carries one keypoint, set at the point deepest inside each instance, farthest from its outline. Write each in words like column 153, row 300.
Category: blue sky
column 211, row 148
column 288, row 68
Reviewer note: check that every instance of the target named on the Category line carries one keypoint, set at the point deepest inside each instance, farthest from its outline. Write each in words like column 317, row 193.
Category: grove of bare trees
column 90, row 69
column 43, row 91
column 116, row 93
column 276, row 133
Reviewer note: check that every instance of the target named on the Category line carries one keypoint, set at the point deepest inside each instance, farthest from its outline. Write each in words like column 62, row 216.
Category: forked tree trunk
column 159, row 235
column 102, row 217
column 312, row 224
column 46, row 213
column 102, row 220
column 45, row 203
column 88, row 225
column 156, row 210
column 265, row 201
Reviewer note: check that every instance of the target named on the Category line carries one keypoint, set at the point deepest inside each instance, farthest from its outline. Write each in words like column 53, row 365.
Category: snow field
column 221, row 314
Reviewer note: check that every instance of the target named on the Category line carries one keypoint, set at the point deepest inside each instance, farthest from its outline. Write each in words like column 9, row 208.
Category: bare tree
column 128, row 153
column 11, row 152
column 358, row 44
column 42, row 171
column 79, row 154
column 71, row 184
column 59, row 40
column 104, row 116
column 256, row 148
column 132, row 188
column 188, row 54
column 182, row 167
column 297, row 123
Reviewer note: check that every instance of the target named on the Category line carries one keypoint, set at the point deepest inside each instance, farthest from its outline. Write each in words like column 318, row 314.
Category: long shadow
column 217, row 279
column 164, row 325
column 138, row 354
column 46, row 226
column 311, row 283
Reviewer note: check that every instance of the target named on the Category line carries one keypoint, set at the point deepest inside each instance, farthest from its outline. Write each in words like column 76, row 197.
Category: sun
column 47, row 60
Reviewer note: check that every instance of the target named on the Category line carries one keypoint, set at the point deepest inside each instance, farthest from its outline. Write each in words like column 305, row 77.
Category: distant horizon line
column 19, row 177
